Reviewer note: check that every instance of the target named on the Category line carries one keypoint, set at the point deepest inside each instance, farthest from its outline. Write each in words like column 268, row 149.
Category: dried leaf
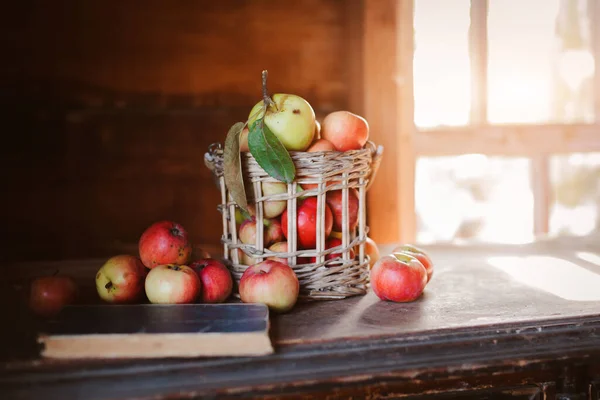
column 232, row 168
column 270, row 153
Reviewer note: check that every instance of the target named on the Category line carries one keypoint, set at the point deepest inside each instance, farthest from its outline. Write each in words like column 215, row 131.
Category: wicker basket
column 322, row 172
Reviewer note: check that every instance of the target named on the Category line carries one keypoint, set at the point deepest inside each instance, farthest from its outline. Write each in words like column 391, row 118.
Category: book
column 157, row 330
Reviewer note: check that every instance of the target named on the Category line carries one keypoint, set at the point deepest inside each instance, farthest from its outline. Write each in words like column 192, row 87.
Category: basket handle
column 377, row 154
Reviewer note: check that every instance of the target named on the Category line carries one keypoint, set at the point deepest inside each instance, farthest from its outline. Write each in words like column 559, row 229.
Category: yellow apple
column 290, row 118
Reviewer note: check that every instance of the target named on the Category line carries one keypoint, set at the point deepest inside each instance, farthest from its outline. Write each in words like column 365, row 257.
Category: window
column 506, row 107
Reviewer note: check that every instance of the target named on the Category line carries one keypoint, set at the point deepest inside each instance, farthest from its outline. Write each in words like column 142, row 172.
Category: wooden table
column 495, row 322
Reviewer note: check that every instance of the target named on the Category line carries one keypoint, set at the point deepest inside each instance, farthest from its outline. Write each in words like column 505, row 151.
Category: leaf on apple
column 270, row 153
column 233, row 166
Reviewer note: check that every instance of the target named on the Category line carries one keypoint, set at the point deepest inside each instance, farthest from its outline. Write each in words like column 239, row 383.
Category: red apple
column 321, row 145
column 121, row 279
column 398, row 277
column 243, row 258
column 164, row 242
column 172, row 284
column 347, row 131
column 334, row 200
column 272, row 283
column 217, row 283
column 330, row 243
column 419, row 254
column 49, row 294
column 306, row 221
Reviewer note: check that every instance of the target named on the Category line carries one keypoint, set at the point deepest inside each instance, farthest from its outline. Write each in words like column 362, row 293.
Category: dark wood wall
column 109, row 106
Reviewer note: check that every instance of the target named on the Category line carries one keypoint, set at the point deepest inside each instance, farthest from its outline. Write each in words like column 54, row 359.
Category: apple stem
column 266, row 98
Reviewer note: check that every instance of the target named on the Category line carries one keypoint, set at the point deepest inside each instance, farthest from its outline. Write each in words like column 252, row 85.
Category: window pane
column 474, row 197
column 576, row 183
column 442, row 86
column 540, row 66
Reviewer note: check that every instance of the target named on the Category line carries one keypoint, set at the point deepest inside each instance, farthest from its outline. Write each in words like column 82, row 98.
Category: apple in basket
column 272, row 231
column 291, row 118
column 306, row 221
column 331, row 243
column 347, row 131
column 164, row 242
column 271, row 208
column 334, row 201
column 272, row 283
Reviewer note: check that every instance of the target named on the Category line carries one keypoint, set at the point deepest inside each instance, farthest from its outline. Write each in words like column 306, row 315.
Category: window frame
column 534, row 141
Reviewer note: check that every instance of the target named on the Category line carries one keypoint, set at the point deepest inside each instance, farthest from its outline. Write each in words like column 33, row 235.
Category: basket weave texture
column 321, row 275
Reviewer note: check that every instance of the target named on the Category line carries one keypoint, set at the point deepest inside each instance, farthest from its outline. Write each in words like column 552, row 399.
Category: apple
column 419, row 254
column 49, row 294
column 272, row 283
column 271, row 208
column 244, row 140
column 279, row 247
column 243, row 258
column 164, row 242
column 306, row 221
column 272, row 231
column 346, row 130
column 172, row 284
column 291, row 118
column 334, row 200
column 282, row 247
column 121, row 279
column 398, row 277
column 321, row 145
column 217, row 283
column 372, row 251
column 334, row 242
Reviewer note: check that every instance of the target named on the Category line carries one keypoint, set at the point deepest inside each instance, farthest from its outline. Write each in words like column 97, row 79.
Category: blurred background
column 487, row 110
column 539, row 72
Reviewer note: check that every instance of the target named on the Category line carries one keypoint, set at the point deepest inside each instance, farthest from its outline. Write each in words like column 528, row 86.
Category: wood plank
column 594, row 18
column 509, row 140
column 478, row 54
column 542, row 194
column 388, row 108
column 214, row 51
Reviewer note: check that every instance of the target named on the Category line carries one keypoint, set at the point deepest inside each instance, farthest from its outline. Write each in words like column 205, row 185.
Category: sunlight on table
column 556, row 276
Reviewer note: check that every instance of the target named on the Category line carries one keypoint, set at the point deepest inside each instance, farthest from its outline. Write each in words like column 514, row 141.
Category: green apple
column 290, row 118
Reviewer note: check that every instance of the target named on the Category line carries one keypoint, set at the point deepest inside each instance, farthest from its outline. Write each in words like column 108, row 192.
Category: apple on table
column 419, row 254
column 398, row 277
column 49, row 294
column 272, row 283
column 217, row 283
column 164, row 242
column 172, row 284
column 121, row 279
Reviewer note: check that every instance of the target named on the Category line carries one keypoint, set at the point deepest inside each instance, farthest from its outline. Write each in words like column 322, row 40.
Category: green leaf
column 270, row 153
column 232, row 166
